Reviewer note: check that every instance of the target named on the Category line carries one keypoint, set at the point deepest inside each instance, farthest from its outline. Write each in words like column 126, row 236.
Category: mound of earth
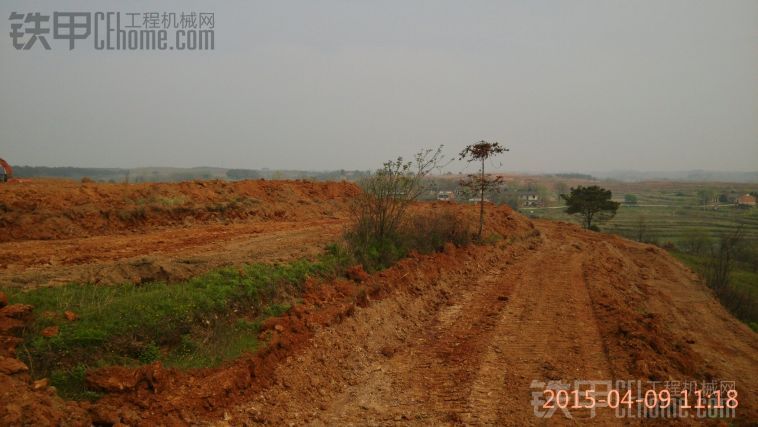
column 59, row 209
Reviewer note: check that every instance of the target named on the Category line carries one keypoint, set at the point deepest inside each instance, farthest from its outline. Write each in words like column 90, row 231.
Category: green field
column 668, row 224
column 666, row 215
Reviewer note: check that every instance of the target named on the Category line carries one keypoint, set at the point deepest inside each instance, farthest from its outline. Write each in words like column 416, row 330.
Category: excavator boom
column 7, row 171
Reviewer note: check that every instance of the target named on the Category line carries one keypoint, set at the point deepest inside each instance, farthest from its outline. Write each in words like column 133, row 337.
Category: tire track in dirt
column 549, row 332
column 525, row 318
column 431, row 378
column 447, row 361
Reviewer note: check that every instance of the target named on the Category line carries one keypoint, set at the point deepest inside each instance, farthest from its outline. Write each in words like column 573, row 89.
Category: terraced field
column 668, row 214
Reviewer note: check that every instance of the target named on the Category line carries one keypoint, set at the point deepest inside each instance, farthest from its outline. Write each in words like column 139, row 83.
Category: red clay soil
column 170, row 254
column 24, row 402
column 454, row 338
column 463, row 347
column 208, row 393
column 59, row 209
column 115, row 233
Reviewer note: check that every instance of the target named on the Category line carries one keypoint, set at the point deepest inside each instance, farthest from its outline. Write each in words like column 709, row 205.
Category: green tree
column 630, row 199
column 481, row 183
column 705, row 196
column 591, row 203
column 560, row 188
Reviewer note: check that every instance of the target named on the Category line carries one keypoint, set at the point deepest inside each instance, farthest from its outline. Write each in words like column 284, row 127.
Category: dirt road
column 465, row 348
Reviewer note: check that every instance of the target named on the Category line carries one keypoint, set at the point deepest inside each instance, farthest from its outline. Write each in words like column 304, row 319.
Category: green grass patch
column 70, row 383
column 198, row 323
column 227, row 341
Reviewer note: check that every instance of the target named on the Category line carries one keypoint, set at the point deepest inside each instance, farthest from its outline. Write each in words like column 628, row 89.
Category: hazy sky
column 567, row 85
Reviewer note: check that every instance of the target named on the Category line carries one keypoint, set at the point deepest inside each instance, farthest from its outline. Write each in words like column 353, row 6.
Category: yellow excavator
column 6, row 171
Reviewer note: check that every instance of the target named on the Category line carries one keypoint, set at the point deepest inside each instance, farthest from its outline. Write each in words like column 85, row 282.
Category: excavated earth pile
column 60, row 209
column 459, row 337
column 55, row 232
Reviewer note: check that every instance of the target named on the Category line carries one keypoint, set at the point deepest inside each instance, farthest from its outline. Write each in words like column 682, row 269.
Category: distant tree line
column 66, row 172
column 180, row 174
column 242, row 174
column 575, row 176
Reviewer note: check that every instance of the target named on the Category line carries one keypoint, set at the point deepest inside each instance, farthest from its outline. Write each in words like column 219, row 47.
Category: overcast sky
column 567, row 85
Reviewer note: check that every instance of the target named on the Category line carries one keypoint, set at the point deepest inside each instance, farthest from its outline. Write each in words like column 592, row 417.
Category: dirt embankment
column 315, row 216
column 115, row 233
column 49, row 209
column 459, row 337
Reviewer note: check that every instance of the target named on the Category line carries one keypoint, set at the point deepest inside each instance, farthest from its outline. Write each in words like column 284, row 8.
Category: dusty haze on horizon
column 568, row 86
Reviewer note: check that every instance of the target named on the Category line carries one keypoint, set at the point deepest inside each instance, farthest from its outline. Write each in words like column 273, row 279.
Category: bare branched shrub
column 386, row 195
column 696, row 242
column 382, row 229
column 719, row 267
column 718, row 271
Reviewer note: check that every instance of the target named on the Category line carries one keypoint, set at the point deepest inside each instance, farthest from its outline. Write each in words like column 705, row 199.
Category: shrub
column 149, row 353
column 696, row 242
column 428, row 232
column 719, row 273
column 718, row 269
column 423, row 232
column 377, row 236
